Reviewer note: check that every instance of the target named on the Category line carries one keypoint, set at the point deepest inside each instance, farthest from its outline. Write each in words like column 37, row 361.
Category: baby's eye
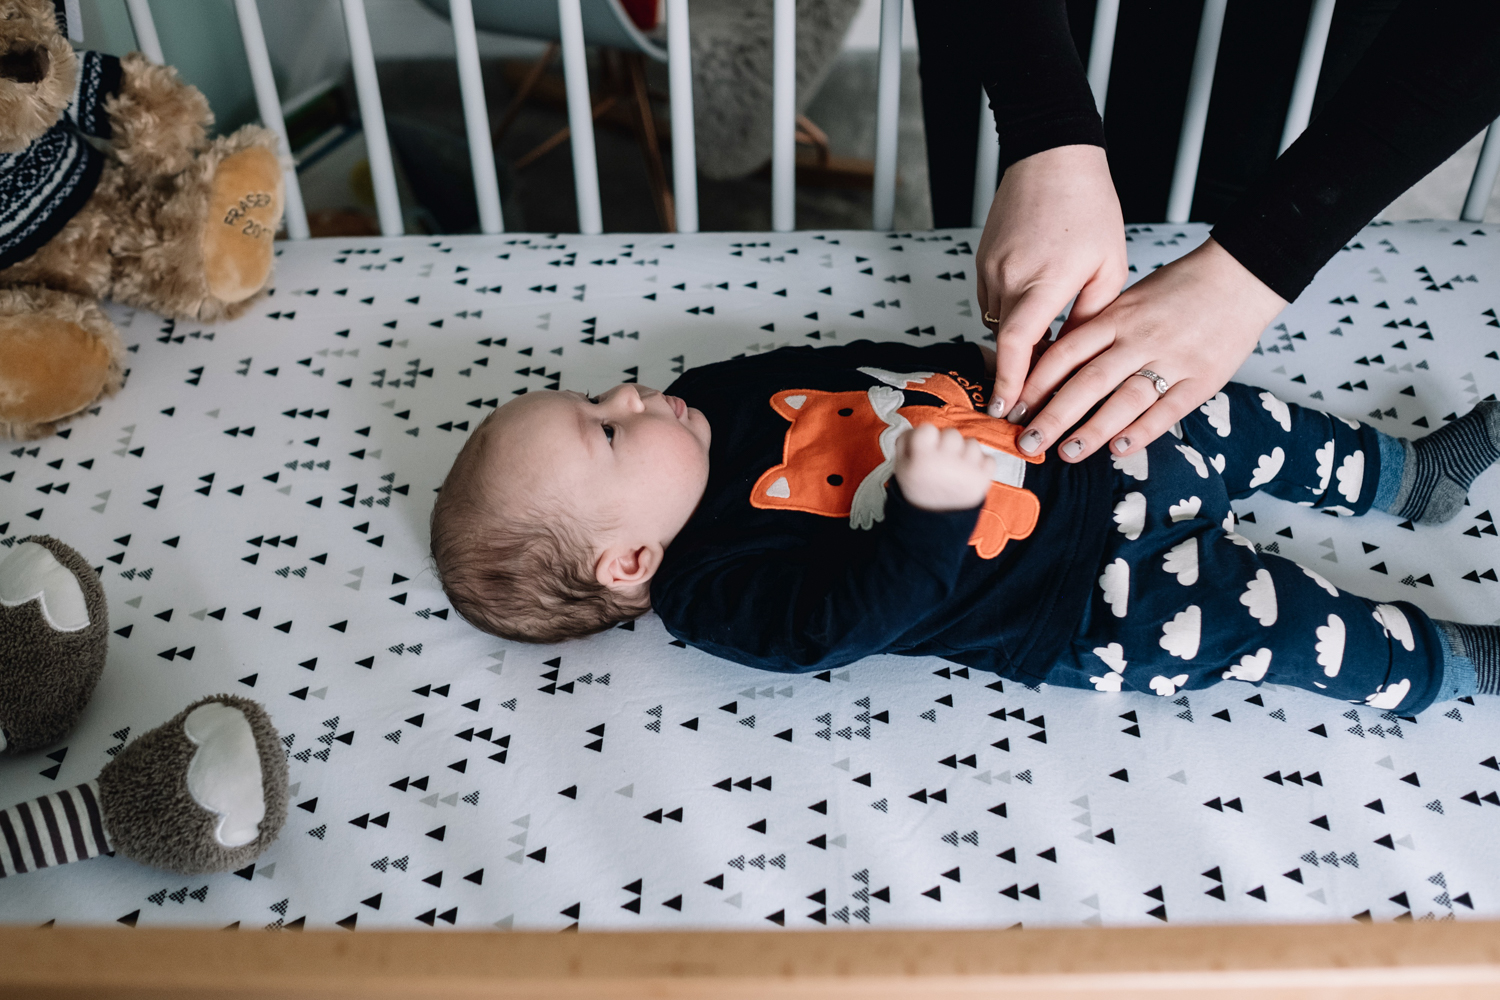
column 609, row 433
column 592, row 399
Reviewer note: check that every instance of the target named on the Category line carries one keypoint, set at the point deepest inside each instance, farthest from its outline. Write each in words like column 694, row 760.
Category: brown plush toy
column 204, row 792
column 163, row 218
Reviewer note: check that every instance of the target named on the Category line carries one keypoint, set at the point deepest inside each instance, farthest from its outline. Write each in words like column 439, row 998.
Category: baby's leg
column 1316, row 459
column 1182, row 603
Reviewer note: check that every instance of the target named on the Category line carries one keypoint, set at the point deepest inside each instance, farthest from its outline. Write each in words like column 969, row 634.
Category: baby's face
column 635, row 456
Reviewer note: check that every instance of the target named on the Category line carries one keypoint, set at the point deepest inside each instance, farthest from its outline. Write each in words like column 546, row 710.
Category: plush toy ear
column 54, row 627
column 205, row 792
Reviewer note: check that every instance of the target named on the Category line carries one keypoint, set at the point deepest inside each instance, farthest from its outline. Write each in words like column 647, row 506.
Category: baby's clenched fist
column 942, row 470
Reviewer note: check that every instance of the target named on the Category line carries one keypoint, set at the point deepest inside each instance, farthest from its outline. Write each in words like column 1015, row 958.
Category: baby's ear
column 627, row 568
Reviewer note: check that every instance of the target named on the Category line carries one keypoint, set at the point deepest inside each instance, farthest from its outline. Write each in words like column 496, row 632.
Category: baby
column 799, row 509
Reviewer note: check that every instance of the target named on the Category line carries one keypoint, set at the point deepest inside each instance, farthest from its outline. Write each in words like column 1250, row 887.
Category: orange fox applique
column 840, row 452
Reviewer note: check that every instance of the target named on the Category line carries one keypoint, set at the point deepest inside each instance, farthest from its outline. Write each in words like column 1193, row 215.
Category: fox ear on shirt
column 627, row 569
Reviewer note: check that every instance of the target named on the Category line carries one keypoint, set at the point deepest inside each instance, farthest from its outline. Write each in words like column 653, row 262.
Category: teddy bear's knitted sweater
column 777, row 569
column 45, row 184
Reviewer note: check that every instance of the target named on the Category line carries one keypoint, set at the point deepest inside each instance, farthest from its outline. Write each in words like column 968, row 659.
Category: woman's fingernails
column 997, row 407
column 1016, row 413
column 1072, row 448
column 1030, row 442
column 1122, row 444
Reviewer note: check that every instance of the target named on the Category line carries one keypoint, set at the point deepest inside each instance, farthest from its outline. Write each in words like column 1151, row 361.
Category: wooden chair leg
column 560, row 136
column 645, row 130
column 523, row 92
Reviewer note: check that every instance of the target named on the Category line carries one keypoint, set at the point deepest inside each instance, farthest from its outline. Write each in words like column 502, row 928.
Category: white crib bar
column 887, row 115
column 144, row 25
column 1483, row 181
column 1195, row 114
column 986, row 162
column 1102, row 49
column 1309, row 67
column 784, row 117
column 476, row 116
column 684, row 146
column 372, row 117
column 269, row 104
column 580, row 118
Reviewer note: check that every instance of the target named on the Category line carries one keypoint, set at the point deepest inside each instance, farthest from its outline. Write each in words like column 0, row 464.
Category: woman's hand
column 1054, row 232
column 1192, row 322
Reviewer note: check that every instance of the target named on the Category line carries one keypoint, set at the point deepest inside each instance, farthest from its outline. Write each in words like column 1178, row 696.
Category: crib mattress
column 257, row 499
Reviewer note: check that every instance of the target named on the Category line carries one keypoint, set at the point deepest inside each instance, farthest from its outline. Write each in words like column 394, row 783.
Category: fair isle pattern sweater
column 45, row 184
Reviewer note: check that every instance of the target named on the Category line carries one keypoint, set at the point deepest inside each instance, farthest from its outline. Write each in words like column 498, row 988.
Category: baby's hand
column 942, row 470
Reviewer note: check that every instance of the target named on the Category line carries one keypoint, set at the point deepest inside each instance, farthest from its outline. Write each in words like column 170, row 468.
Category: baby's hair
column 520, row 570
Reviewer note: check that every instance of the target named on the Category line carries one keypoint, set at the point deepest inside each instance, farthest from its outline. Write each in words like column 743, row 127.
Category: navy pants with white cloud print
column 1183, row 602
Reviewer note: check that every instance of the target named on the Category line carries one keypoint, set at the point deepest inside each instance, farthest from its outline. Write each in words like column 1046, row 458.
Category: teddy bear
column 111, row 188
column 204, row 792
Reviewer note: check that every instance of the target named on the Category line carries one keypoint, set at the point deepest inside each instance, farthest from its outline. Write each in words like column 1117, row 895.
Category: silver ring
column 1161, row 385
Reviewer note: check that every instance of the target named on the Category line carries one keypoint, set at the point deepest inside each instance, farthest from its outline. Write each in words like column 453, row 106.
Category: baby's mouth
column 678, row 406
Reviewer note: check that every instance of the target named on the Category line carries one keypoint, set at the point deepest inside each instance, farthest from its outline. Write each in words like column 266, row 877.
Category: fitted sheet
column 257, row 501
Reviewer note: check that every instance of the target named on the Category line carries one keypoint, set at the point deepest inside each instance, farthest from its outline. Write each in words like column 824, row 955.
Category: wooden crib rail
column 1429, row 959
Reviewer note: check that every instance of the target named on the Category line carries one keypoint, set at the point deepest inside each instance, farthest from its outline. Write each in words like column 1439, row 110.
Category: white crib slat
column 684, row 145
column 784, row 117
column 269, row 104
column 1102, row 49
column 476, row 116
column 372, row 117
column 1309, row 67
column 1483, row 181
column 1195, row 114
column 580, row 118
column 986, row 163
column 887, row 114
column 146, row 40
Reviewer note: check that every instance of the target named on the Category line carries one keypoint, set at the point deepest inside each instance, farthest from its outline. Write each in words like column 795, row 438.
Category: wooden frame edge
column 1454, row 959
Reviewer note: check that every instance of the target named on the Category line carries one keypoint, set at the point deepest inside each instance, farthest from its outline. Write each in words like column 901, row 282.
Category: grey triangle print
column 256, row 501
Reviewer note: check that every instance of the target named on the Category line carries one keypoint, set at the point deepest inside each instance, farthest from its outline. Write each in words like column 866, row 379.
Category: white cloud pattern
column 1324, row 455
column 1180, row 635
column 1279, row 411
column 1252, row 666
column 1165, row 686
column 1130, row 515
column 1113, row 656
column 1352, row 475
column 1218, row 463
column 1260, row 598
column 1185, row 510
column 1330, row 645
column 1393, row 620
column 1115, row 583
column 1194, row 459
column 1267, row 467
column 1318, row 579
column 1182, row 561
column 1217, row 412
column 1135, row 466
column 1390, row 696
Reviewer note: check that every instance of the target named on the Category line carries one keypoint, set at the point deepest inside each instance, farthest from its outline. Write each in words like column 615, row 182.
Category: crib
column 712, row 831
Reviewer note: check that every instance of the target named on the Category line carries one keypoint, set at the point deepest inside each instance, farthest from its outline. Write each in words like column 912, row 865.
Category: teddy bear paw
column 244, row 211
column 58, row 354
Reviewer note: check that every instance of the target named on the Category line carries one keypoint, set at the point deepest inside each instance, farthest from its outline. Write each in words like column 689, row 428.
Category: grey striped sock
column 52, row 830
column 1441, row 466
column 1480, row 646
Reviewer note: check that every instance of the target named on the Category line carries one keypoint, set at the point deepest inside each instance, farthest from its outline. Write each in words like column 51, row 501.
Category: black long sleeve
column 1428, row 83
column 1030, row 69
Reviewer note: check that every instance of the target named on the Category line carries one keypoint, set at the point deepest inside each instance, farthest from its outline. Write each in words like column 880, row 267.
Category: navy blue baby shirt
column 802, row 554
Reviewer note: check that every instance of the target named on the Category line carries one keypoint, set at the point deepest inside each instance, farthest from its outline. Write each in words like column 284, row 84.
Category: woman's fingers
column 1021, row 326
column 1098, row 292
column 1155, row 421
column 1058, row 362
column 1096, row 380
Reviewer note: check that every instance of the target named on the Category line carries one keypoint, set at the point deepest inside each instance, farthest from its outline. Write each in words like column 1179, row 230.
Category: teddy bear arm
column 159, row 122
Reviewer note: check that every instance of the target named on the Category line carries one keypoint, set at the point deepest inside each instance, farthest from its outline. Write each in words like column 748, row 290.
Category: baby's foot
column 1441, row 466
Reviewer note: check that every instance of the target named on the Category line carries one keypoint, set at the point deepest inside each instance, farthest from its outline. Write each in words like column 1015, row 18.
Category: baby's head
column 559, row 508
